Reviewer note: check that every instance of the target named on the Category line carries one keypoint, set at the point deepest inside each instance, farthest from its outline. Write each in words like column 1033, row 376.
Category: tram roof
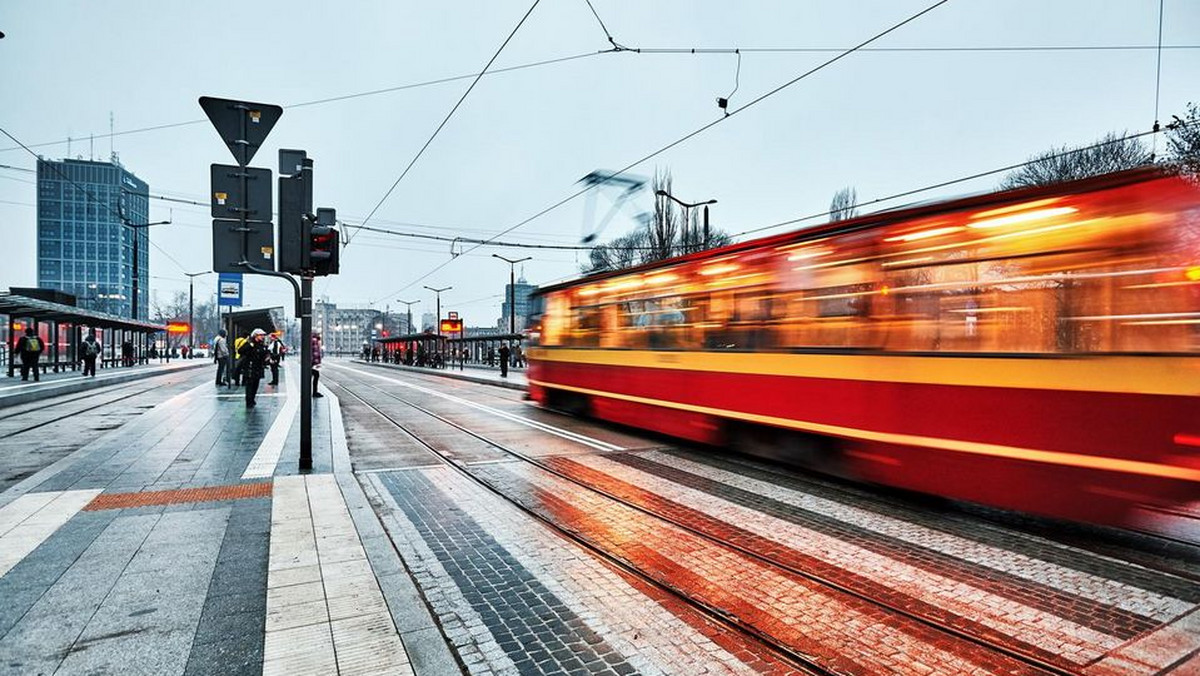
column 884, row 216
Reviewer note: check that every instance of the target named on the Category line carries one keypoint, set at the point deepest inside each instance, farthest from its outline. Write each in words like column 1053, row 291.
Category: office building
column 83, row 247
column 517, row 294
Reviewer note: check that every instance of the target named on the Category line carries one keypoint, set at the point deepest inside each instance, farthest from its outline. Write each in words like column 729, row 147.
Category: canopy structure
column 60, row 326
column 242, row 322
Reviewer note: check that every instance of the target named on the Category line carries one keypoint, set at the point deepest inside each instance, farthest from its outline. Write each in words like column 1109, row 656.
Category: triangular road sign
column 243, row 125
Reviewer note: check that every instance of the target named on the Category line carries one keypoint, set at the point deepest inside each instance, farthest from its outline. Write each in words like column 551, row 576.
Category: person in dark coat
column 253, row 357
column 504, row 355
column 29, row 350
column 89, row 350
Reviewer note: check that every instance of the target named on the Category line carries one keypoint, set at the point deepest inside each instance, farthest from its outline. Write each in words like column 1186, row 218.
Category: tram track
column 729, row 619
column 74, row 412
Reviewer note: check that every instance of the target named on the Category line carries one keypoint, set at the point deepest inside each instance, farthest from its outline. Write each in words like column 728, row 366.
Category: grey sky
column 881, row 121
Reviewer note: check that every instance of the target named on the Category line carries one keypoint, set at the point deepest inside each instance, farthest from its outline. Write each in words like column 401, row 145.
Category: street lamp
column 512, row 290
column 685, row 205
column 437, row 326
column 191, row 308
column 133, row 313
column 409, row 304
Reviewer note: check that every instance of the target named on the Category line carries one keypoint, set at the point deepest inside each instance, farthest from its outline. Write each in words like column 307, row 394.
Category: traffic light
column 324, row 243
column 295, row 202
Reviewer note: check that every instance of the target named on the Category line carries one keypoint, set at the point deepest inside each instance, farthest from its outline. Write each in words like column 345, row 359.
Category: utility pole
column 512, row 290
column 685, row 205
column 192, row 308
column 136, row 227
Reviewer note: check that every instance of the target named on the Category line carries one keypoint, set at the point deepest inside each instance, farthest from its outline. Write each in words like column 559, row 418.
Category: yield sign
column 243, row 125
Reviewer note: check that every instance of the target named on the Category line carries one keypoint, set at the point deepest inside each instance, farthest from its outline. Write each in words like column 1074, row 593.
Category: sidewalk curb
column 427, row 648
column 72, row 387
column 444, row 374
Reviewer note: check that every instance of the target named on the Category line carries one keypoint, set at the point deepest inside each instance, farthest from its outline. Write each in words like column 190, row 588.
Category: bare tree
column 1114, row 152
column 1183, row 142
column 663, row 230
column 622, row 252
column 844, row 204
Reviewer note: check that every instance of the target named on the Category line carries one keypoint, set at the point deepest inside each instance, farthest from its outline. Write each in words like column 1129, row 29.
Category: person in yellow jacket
column 237, row 364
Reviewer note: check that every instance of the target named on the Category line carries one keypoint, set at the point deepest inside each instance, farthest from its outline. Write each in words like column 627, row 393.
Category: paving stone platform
column 185, row 542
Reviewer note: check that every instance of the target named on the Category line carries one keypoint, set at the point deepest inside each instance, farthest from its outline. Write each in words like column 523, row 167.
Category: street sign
column 178, row 327
column 229, row 289
column 451, row 326
column 452, row 315
column 227, row 246
column 228, row 202
column 242, row 125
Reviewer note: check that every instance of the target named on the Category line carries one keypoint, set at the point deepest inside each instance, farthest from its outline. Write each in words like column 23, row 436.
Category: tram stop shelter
column 414, row 349
column 242, row 322
column 61, row 325
column 475, row 349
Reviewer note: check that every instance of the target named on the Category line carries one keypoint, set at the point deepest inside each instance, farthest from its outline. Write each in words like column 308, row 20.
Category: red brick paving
column 179, row 496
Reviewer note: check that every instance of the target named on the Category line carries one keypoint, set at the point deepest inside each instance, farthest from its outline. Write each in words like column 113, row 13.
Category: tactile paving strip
column 179, row 496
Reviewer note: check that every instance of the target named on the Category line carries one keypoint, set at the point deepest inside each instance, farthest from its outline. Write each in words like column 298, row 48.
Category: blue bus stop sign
column 229, row 289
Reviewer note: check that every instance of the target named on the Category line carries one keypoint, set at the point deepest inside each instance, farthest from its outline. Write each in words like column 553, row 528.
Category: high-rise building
column 428, row 321
column 83, row 247
column 518, row 294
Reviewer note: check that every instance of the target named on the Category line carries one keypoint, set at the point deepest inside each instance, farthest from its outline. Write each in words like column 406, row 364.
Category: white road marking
column 263, row 463
column 29, row 520
column 325, row 611
column 550, row 429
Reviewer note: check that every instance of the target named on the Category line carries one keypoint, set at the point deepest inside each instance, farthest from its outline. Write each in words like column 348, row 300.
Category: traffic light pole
column 306, row 366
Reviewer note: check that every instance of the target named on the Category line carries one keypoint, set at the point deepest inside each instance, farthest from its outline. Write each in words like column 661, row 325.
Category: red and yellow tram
column 1035, row 349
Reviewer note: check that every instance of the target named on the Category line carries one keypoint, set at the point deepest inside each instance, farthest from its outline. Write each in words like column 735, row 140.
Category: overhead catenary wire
column 696, row 132
column 1157, row 75
column 446, row 119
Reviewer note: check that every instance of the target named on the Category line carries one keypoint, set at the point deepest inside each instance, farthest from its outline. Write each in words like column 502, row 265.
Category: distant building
column 519, row 293
column 83, row 248
column 427, row 321
column 344, row 330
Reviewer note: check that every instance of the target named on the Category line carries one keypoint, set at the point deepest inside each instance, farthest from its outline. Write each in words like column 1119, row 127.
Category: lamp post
column 685, row 205
column 192, row 308
column 437, row 322
column 512, row 290
column 409, row 304
column 133, row 311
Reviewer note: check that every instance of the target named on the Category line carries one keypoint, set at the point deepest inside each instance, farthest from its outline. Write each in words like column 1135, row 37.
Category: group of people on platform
column 246, row 362
column 507, row 356
column 29, row 348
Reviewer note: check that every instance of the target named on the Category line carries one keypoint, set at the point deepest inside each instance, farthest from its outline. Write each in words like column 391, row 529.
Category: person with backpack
column 90, row 351
column 237, row 360
column 29, row 349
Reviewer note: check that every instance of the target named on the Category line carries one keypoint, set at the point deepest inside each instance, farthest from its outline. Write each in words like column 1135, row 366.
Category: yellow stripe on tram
column 995, row 450
column 1166, row 375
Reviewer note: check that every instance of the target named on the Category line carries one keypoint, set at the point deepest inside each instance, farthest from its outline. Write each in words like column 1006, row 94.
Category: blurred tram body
column 1036, row 349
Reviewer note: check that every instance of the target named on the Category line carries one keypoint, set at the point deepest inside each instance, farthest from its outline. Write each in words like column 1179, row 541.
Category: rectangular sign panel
column 227, row 198
column 229, row 289
column 227, row 246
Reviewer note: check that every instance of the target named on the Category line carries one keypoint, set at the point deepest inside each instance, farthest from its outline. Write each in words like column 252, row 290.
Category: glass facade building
column 83, row 247
column 520, row 294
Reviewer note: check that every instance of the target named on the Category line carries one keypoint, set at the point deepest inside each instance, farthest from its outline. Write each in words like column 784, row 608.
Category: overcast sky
column 880, row 121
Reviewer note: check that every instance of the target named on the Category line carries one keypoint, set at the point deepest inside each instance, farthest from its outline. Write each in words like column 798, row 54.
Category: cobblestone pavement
column 182, row 540
column 1068, row 607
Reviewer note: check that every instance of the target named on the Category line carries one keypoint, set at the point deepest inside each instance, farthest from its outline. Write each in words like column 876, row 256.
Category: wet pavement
column 450, row 526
